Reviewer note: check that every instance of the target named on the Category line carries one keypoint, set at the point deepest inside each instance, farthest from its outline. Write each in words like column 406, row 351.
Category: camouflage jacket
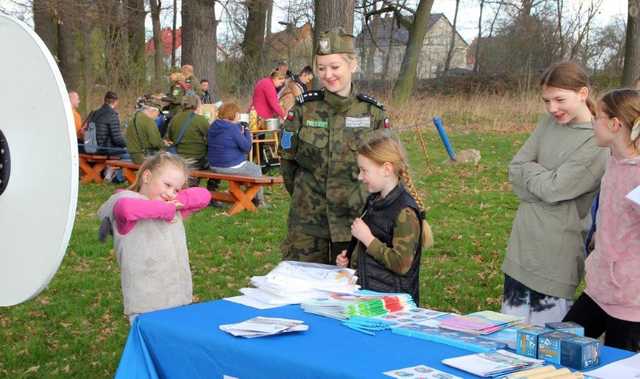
column 406, row 235
column 318, row 151
column 143, row 137
column 194, row 142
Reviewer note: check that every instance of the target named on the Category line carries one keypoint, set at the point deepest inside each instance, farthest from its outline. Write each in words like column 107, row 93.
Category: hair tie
column 635, row 130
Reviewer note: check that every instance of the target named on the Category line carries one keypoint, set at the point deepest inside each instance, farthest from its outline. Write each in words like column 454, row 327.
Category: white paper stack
column 497, row 363
column 264, row 326
column 296, row 282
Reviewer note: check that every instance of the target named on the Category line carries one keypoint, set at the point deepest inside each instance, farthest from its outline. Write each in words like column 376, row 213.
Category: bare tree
column 173, row 33
column 476, row 66
column 253, row 42
column 46, row 21
column 135, row 29
column 199, row 42
column 631, row 71
column 331, row 14
column 157, row 41
column 408, row 70
column 453, row 38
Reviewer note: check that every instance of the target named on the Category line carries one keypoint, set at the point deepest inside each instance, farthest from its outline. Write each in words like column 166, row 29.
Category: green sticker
column 317, row 123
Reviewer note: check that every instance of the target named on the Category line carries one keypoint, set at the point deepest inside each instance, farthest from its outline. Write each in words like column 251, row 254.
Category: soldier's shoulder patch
column 310, row 96
column 370, row 100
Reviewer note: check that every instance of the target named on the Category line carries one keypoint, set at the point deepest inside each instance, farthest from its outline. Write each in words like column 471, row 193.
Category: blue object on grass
column 437, row 121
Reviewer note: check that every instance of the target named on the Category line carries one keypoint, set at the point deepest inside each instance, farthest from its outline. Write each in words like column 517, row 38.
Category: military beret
column 335, row 41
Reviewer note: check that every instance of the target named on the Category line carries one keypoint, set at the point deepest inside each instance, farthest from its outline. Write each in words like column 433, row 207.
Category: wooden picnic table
column 240, row 198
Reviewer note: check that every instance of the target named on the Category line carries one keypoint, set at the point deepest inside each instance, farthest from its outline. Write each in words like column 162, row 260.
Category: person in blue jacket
column 229, row 143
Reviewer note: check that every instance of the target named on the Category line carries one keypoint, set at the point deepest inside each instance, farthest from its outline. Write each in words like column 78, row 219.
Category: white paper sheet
column 250, row 302
column 623, row 369
column 634, row 195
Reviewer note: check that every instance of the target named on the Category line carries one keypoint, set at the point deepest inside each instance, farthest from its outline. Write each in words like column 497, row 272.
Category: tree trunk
column 173, row 33
column 112, row 23
column 269, row 19
column 157, row 42
column 69, row 45
column 476, row 66
column 330, row 14
column 135, row 29
column 46, row 23
column 253, row 41
column 404, row 85
column 452, row 42
column 631, row 70
column 199, row 42
column 387, row 60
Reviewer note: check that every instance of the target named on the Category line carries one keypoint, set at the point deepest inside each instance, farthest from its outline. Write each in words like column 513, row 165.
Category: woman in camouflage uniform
column 318, row 149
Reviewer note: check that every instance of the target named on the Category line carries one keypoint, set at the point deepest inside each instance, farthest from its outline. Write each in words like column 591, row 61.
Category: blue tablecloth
column 185, row 342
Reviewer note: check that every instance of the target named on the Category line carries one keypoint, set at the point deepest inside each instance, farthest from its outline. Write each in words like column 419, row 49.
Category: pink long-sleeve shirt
column 128, row 211
column 265, row 99
column 613, row 268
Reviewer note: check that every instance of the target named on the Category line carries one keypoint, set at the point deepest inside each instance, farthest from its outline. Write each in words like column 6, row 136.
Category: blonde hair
column 624, row 104
column 275, row 74
column 384, row 148
column 157, row 162
column 348, row 57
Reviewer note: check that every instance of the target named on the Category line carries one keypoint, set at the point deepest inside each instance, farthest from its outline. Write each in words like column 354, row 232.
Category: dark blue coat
column 228, row 144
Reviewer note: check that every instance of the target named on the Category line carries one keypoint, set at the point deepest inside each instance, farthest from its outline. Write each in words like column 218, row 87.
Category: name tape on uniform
column 358, row 122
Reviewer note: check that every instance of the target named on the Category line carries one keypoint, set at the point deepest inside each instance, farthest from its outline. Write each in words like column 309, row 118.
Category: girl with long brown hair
column 555, row 176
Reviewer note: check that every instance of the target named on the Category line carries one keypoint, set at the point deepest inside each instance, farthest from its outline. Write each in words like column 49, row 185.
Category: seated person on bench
column 229, row 142
column 108, row 133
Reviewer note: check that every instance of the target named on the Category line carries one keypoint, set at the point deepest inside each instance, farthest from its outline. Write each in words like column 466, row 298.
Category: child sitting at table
column 392, row 231
column 149, row 237
column 229, row 142
column 610, row 303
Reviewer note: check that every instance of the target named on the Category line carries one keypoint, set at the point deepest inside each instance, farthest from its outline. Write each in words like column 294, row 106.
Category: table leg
column 243, row 198
column 91, row 172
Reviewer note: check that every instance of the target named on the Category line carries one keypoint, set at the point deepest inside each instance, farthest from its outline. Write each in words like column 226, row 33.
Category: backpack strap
column 183, row 129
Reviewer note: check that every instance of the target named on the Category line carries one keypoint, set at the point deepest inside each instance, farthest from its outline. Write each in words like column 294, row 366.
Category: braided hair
column 384, row 148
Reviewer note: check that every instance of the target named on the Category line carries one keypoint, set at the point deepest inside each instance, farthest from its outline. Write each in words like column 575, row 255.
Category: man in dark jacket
column 108, row 134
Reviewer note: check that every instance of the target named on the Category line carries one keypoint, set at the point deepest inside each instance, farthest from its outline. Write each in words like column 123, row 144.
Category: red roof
column 166, row 38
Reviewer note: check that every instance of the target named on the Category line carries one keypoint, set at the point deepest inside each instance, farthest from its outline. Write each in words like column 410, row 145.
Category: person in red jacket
column 265, row 97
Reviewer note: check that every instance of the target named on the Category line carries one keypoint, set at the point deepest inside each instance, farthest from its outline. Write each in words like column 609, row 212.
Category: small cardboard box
column 549, row 346
column 527, row 340
column 580, row 353
column 567, row 327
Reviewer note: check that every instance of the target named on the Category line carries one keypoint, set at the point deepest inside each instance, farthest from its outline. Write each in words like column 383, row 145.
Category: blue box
column 580, row 352
column 527, row 340
column 567, row 327
column 549, row 346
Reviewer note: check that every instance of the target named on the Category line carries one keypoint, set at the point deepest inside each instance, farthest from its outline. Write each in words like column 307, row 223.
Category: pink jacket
column 265, row 99
column 613, row 268
column 127, row 211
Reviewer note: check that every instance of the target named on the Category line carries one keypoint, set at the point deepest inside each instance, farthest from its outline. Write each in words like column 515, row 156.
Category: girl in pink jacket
column 610, row 303
column 149, row 237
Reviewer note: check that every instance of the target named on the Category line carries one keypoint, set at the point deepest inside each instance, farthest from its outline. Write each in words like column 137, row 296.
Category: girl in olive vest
column 392, row 231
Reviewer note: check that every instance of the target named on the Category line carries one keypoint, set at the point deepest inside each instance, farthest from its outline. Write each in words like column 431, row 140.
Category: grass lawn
column 76, row 328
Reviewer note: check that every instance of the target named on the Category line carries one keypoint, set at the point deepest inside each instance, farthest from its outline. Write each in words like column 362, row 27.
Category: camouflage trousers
column 303, row 247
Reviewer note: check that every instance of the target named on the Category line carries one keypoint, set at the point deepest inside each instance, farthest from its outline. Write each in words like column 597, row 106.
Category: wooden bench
column 91, row 167
column 236, row 195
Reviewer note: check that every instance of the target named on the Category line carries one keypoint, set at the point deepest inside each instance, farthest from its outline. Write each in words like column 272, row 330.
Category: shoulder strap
column 310, row 96
column 183, row 129
column 370, row 100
